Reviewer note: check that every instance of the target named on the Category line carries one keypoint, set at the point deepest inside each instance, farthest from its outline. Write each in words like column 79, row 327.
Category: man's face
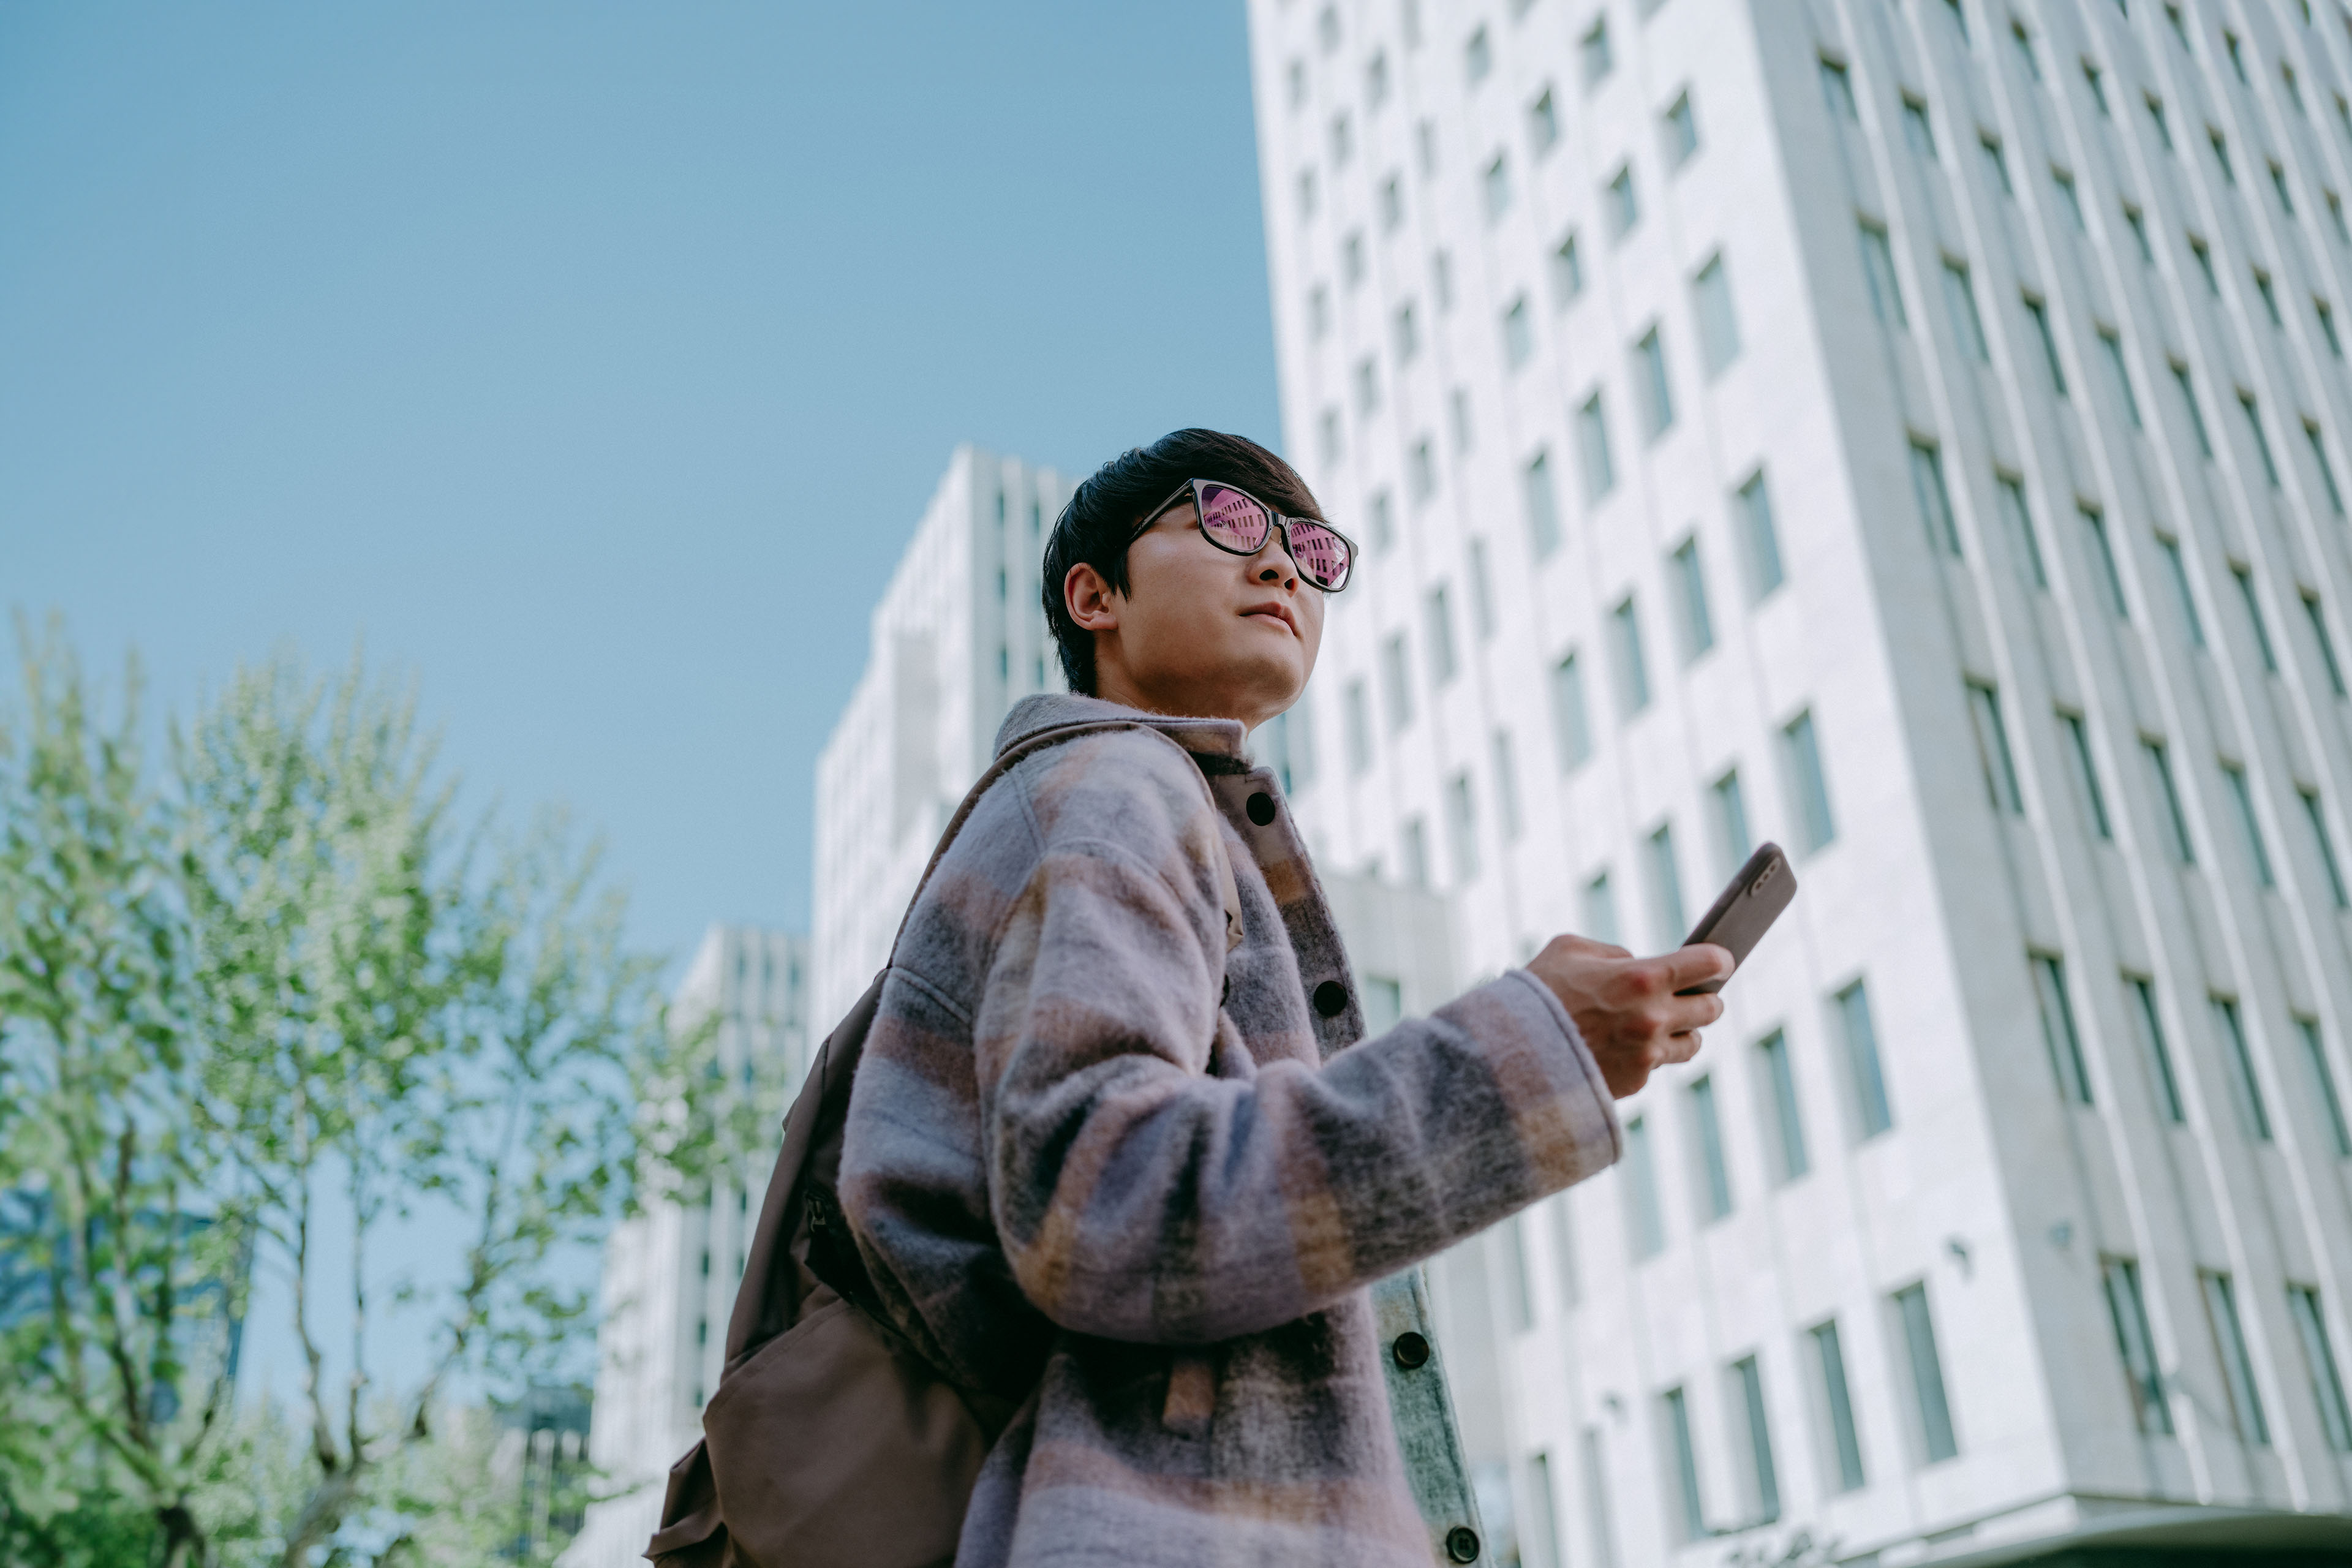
column 1200, row 630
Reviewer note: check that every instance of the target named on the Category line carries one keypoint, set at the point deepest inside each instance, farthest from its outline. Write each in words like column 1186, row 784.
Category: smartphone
column 1746, row 910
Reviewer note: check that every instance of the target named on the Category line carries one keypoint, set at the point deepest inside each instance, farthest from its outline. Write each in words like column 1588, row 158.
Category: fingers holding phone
column 1627, row 1009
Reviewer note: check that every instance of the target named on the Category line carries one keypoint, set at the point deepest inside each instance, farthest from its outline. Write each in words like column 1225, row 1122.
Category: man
column 1109, row 1158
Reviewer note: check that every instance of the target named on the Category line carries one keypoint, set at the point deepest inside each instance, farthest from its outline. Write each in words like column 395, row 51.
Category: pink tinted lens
column 1321, row 554
column 1232, row 519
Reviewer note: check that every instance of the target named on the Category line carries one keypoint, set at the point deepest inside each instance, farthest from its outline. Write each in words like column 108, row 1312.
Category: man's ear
column 1092, row 603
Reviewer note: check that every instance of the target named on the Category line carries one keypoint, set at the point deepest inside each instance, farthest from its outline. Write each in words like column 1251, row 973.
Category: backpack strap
column 1028, row 746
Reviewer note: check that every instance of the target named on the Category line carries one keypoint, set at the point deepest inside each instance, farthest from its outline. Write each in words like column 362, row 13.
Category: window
column 1396, row 682
column 2327, row 848
column 1878, row 271
column 1518, row 336
column 2237, row 1366
column 1601, row 910
column 1837, row 89
column 1593, row 59
column 2323, row 1080
column 2335, row 216
column 1351, row 260
column 2262, row 442
column 2319, row 1362
column 1392, row 203
column 1624, row 210
column 1719, row 327
column 2040, row 313
column 2251, row 1107
column 1306, row 193
column 1592, row 448
column 2237, row 63
column 1424, row 142
column 2178, row 571
column 1698, row 629
column 1933, row 1411
column 2222, row 155
column 1959, row 18
column 1404, row 334
column 1837, row 1404
column 1715, row 1196
column 1413, row 850
column 1810, row 783
column 2159, row 762
column 1328, row 440
column 1368, row 386
column 2135, row 1344
column 1916, row 129
column 2138, row 222
column 2245, row 580
column 1994, row 160
column 1762, row 544
column 1733, row 842
column 2096, row 82
column 1440, row 279
column 2065, row 180
column 2111, row 583
column 1784, row 1127
column 1495, row 184
column 1458, row 411
column 2058, row 1036
column 2327, row 315
column 2203, row 255
column 1543, row 1519
column 1477, row 58
column 2188, row 401
column 1297, row 79
column 1873, row 1114
column 1376, row 80
column 2111, row 346
column 1681, row 133
column 1935, row 500
column 2318, row 618
column 1567, row 272
column 2140, row 1003
column 2294, row 92
column 1383, row 1003
column 1438, row 614
column 1690, row 1519
column 1318, row 312
column 1763, row 1481
column 1358, row 707
column 2155, row 114
column 1342, row 141
column 2278, row 185
column 2025, row 50
column 2019, row 520
column 1543, row 123
column 1992, row 749
column 1462, row 828
column 2086, row 772
column 2327, row 468
column 1327, row 28
column 1571, row 722
column 1482, row 596
column 1657, row 394
column 1666, row 890
column 1542, row 506
column 1631, row 671
column 1383, row 521
column 1646, row 1221
column 1420, row 472
column 2242, row 794
column 1961, row 299
column 1507, row 785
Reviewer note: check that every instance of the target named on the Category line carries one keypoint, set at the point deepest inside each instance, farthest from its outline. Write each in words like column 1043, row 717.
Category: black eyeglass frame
column 1191, row 488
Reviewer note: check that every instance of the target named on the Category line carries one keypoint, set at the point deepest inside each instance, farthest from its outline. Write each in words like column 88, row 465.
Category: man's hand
column 1625, row 1007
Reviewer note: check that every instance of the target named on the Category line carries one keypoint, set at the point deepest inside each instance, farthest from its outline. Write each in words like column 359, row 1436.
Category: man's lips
column 1278, row 611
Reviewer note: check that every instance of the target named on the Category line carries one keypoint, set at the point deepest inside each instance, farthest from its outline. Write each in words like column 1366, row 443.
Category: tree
column 294, row 993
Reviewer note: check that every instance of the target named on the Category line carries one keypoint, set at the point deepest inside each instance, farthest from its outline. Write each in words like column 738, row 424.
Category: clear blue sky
column 592, row 362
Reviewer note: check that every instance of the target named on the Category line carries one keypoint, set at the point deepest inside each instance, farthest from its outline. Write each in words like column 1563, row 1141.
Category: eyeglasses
column 1239, row 523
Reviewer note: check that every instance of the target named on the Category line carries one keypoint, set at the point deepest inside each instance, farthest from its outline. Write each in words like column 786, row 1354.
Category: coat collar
column 1214, row 737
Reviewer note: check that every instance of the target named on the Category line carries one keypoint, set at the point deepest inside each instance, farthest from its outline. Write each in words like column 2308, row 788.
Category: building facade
column 1914, row 433
column 670, row 1273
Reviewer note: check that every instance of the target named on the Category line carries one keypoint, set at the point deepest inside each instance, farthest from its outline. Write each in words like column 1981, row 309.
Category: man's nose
column 1273, row 562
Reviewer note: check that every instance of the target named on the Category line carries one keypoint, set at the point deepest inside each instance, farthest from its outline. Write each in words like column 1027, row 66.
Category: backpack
column 830, row 1439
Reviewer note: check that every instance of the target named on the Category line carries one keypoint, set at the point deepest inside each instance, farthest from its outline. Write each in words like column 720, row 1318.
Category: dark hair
column 1104, row 512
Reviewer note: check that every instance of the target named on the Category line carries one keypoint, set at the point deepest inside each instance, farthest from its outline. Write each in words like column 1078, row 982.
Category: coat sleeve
column 1138, row 1197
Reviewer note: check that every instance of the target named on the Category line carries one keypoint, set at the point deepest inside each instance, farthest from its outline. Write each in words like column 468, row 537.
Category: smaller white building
column 671, row 1274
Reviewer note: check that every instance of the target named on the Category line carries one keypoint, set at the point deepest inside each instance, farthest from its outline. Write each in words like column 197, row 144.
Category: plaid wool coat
column 1099, row 1163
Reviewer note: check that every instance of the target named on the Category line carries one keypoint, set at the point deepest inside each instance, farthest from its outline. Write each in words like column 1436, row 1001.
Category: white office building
column 671, row 1274
column 1913, row 431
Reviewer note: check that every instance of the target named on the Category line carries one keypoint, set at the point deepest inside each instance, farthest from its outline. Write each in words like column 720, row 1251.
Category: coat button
column 1260, row 807
column 1410, row 1350
column 1462, row 1544
column 1331, row 998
